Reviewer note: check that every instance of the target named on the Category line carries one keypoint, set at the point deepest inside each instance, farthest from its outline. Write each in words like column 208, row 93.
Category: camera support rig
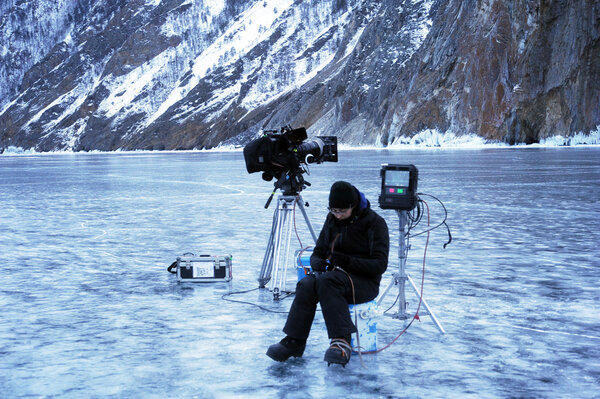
column 277, row 254
column 290, row 184
column 401, row 277
column 399, row 192
column 276, row 260
column 285, row 155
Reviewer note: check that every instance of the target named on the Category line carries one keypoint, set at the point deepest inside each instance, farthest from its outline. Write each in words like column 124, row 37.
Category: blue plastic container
column 367, row 326
column 303, row 263
column 302, row 272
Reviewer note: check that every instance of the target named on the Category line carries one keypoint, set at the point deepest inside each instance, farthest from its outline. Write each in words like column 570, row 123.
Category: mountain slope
column 180, row 74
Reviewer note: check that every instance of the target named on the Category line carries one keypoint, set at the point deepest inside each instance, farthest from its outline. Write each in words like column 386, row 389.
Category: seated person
column 349, row 259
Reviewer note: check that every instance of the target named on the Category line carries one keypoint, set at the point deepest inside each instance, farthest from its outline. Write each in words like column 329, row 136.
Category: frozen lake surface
column 89, row 309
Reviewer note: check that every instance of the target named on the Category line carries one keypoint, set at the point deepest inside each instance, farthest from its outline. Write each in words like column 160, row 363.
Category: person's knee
column 306, row 287
column 329, row 281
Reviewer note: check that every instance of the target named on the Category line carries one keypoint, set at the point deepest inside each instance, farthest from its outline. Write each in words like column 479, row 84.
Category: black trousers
column 334, row 291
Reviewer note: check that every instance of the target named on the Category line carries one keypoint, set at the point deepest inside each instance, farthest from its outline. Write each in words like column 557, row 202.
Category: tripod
column 401, row 277
column 277, row 254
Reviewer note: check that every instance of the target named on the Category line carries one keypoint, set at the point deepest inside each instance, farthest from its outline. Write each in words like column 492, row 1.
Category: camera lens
column 310, row 151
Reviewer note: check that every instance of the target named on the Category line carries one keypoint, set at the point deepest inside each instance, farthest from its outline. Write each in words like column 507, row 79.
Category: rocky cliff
column 180, row 74
column 516, row 71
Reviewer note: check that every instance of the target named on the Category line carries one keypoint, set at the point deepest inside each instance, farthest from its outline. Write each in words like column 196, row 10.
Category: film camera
column 283, row 154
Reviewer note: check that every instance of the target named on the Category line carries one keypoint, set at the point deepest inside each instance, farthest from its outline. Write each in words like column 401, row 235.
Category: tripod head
column 290, row 184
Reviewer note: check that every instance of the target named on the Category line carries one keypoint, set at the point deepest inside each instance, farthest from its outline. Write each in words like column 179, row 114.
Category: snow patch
column 353, row 42
column 427, row 139
column 68, row 40
column 10, row 104
column 124, row 89
column 435, row 138
column 302, row 69
column 72, row 99
column 242, row 36
column 579, row 138
column 12, row 151
column 224, row 148
column 425, row 25
column 213, row 6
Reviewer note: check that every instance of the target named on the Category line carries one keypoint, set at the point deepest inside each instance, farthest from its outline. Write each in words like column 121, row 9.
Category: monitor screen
column 399, row 178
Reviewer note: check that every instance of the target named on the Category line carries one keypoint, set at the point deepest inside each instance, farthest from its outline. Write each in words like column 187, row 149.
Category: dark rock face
column 516, row 71
column 181, row 74
column 559, row 73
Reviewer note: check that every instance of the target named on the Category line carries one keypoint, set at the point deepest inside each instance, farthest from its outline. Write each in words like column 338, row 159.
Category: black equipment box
column 204, row 268
column 398, row 187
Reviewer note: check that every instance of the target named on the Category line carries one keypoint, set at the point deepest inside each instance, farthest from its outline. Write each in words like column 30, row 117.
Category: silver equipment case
column 204, row 268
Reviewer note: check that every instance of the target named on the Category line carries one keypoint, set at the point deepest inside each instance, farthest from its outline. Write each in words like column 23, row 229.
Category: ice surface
column 89, row 309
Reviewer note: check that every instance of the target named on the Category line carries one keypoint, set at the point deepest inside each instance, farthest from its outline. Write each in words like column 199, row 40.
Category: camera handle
column 278, row 185
column 270, row 199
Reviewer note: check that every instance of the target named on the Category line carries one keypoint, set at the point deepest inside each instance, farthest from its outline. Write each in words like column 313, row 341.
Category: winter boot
column 286, row 348
column 339, row 352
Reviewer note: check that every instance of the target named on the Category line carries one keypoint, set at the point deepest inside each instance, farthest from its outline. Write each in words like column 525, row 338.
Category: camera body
column 398, row 187
column 278, row 152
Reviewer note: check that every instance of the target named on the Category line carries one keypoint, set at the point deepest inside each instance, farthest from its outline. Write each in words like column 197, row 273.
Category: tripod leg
column 275, row 283
column 267, row 265
column 277, row 257
column 387, row 289
column 306, row 219
column 286, row 253
column 424, row 302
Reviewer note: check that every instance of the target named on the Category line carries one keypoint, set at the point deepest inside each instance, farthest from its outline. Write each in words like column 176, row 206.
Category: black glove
column 340, row 259
column 319, row 266
column 329, row 265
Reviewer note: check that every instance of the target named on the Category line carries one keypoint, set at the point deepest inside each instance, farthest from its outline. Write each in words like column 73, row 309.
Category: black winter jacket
column 360, row 244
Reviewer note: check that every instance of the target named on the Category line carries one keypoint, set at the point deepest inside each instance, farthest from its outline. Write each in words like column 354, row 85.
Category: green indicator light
column 400, row 191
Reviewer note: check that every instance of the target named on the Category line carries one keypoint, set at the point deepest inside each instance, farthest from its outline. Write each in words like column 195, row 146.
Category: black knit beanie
column 342, row 195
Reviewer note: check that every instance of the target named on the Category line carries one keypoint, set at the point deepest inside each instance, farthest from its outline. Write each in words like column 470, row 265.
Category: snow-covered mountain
column 180, row 74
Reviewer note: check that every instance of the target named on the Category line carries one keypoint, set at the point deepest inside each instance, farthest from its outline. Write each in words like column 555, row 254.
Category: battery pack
column 204, row 268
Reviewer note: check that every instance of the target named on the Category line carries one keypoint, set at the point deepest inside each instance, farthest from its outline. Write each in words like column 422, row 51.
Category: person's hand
column 319, row 266
column 329, row 265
